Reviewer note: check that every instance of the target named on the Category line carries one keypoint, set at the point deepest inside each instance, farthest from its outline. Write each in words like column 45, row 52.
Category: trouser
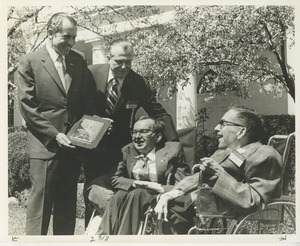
column 180, row 217
column 125, row 212
column 99, row 170
column 54, row 189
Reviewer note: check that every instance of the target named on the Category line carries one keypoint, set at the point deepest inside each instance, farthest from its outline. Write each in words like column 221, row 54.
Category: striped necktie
column 112, row 96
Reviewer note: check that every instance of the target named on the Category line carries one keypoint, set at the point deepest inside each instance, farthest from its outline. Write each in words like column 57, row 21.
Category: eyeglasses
column 142, row 132
column 224, row 123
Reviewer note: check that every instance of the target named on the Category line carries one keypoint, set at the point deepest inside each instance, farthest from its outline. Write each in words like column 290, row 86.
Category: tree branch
column 22, row 20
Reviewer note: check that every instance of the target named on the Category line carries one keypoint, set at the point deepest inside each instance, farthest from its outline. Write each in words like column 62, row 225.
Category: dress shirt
column 151, row 166
column 55, row 58
column 110, row 77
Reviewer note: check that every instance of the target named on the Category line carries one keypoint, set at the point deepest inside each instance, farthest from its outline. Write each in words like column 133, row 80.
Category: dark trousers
column 125, row 211
column 99, row 169
column 54, row 189
column 180, row 217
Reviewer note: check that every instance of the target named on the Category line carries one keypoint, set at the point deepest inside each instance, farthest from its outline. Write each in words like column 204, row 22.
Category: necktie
column 144, row 172
column 65, row 78
column 112, row 96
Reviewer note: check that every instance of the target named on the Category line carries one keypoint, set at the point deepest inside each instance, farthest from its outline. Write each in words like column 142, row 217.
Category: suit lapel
column 50, row 68
column 162, row 160
column 131, row 160
column 71, row 72
column 120, row 101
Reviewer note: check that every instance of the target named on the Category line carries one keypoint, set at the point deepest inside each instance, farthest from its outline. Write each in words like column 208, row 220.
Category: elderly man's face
column 120, row 61
column 228, row 129
column 64, row 40
column 143, row 136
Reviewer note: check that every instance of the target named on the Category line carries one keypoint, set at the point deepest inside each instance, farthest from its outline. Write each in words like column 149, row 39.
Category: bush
column 278, row 125
column 18, row 162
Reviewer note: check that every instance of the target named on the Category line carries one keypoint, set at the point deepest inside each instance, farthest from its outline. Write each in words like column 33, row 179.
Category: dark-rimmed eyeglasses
column 142, row 132
column 224, row 123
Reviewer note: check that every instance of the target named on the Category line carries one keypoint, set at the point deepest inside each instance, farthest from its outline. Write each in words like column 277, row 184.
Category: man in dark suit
column 239, row 178
column 120, row 93
column 54, row 92
column 142, row 173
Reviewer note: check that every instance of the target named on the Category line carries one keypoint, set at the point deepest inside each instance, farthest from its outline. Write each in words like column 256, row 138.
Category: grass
column 17, row 216
column 16, row 222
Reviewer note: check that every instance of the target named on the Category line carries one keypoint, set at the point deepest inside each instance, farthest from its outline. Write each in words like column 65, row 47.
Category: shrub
column 18, row 162
column 278, row 124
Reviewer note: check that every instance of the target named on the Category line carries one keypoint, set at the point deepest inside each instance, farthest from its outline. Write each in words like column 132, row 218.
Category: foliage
column 18, row 162
column 240, row 44
column 201, row 118
column 25, row 33
column 23, row 197
column 17, row 218
column 278, row 125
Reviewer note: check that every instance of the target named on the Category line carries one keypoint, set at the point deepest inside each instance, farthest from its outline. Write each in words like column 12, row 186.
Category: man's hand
column 209, row 165
column 161, row 208
column 63, row 141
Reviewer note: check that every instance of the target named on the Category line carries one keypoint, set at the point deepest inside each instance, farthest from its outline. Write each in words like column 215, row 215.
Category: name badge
column 237, row 158
column 131, row 105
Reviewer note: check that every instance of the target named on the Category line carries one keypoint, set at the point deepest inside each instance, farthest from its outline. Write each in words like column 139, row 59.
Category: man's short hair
column 126, row 45
column 55, row 23
column 158, row 125
column 252, row 121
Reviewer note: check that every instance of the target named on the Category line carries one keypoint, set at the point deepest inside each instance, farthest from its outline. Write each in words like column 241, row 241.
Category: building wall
column 263, row 104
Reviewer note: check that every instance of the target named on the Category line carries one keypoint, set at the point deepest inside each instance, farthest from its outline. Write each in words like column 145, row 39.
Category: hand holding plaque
column 88, row 131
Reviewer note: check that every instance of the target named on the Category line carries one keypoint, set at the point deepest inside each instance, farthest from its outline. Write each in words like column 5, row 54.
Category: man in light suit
column 54, row 92
column 132, row 92
column 142, row 174
column 239, row 178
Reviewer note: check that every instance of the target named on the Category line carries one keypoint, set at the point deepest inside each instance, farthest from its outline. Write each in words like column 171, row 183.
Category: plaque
column 88, row 131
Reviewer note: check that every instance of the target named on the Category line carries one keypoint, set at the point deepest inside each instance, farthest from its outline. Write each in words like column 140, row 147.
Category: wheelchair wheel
column 278, row 217
column 148, row 227
column 213, row 226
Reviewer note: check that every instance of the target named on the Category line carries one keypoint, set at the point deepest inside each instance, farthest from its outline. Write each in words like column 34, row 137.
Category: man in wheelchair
column 141, row 175
column 239, row 178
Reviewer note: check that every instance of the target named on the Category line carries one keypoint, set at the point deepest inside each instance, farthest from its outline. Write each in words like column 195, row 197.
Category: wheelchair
column 277, row 217
column 187, row 138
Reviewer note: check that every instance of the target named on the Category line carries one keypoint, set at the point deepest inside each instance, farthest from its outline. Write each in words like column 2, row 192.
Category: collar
column 150, row 155
column 53, row 54
column 111, row 76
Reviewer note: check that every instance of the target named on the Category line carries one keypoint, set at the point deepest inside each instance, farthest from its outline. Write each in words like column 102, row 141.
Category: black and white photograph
column 150, row 122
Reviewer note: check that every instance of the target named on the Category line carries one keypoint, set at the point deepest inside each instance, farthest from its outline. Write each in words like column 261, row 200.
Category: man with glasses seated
column 239, row 178
column 141, row 175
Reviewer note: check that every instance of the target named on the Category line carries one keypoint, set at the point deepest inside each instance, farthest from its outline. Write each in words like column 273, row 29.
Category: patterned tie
column 112, row 96
column 144, row 171
column 65, row 78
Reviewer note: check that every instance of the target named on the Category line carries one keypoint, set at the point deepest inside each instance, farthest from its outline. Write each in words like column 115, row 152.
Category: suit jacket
column 44, row 104
column 244, row 189
column 169, row 159
column 134, row 93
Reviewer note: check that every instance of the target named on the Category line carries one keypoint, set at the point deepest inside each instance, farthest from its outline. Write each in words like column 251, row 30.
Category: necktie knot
column 143, row 158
